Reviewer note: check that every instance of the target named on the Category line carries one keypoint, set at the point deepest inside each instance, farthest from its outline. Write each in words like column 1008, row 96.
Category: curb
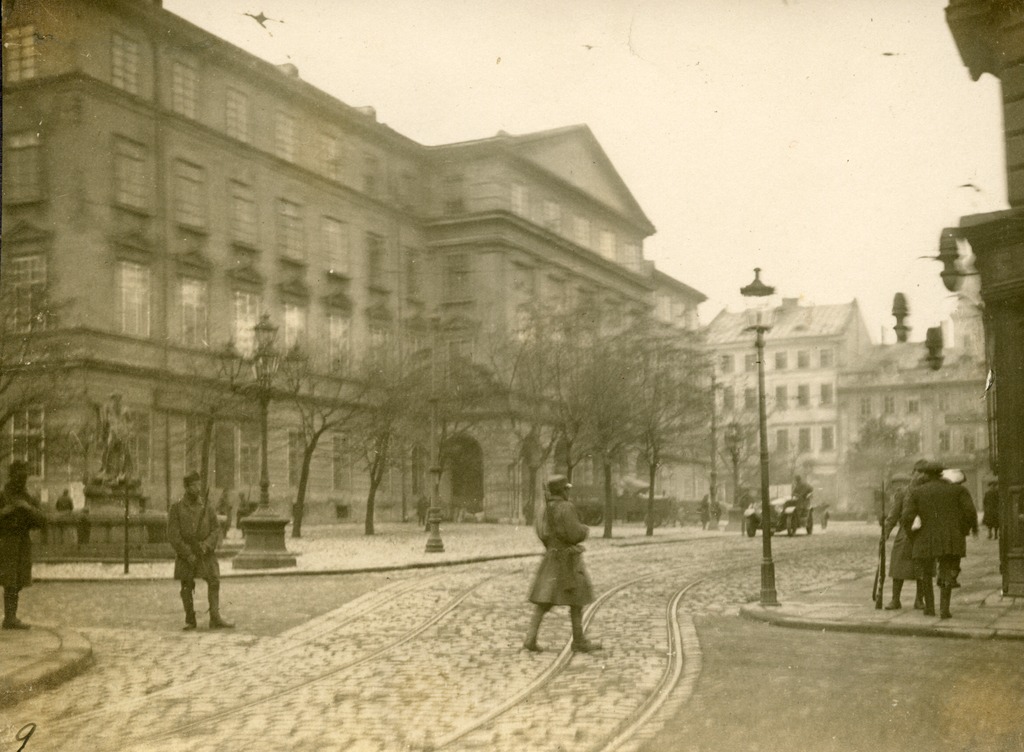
column 72, row 658
column 762, row 614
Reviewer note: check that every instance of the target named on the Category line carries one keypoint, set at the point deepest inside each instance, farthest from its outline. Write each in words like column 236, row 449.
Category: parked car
column 786, row 515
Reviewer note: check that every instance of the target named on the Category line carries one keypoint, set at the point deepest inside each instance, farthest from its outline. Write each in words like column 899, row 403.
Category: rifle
column 878, row 591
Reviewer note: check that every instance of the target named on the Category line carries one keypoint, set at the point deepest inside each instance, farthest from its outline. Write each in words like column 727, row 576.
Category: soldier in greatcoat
column 902, row 560
column 947, row 514
column 20, row 512
column 561, row 580
column 194, row 532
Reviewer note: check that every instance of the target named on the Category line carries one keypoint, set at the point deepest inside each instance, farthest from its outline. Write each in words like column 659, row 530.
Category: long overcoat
column 902, row 561
column 990, row 505
column 947, row 515
column 562, row 579
column 193, row 531
column 15, row 543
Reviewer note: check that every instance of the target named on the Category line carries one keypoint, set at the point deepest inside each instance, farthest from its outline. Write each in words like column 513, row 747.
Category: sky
column 826, row 142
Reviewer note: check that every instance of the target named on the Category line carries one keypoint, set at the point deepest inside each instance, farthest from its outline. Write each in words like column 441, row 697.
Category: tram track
column 293, row 640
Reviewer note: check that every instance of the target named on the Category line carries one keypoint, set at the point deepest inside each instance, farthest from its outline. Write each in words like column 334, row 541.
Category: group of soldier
column 932, row 513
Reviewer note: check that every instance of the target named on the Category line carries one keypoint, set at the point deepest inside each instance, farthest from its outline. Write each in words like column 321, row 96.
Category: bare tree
column 325, row 399
column 672, row 400
column 35, row 358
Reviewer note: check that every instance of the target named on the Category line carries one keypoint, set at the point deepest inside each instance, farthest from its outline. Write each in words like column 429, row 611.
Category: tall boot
column 530, row 643
column 581, row 644
column 216, row 622
column 11, row 620
column 897, row 589
column 190, row 609
column 929, row 597
column 945, row 595
column 918, row 595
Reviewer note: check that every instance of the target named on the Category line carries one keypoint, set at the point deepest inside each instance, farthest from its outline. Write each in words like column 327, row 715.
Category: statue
column 116, row 434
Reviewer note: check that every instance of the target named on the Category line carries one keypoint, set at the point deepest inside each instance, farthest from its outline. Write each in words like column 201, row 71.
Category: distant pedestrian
column 704, row 508
column 64, row 502
column 716, row 513
column 902, row 560
column 422, row 505
column 193, row 531
column 946, row 514
column 990, row 509
column 20, row 512
column 801, row 492
column 224, row 508
column 561, row 580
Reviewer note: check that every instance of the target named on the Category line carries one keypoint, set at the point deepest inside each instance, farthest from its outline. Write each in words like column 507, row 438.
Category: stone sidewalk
column 979, row 610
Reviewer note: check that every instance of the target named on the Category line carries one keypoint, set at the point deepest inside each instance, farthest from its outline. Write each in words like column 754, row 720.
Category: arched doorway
column 465, row 463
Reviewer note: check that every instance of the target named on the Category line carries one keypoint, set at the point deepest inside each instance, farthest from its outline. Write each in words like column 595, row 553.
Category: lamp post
column 733, row 441
column 760, row 311
column 263, row 530
column 434, row 543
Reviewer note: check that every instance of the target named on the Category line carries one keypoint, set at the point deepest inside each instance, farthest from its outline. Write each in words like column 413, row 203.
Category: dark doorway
column 465, row 461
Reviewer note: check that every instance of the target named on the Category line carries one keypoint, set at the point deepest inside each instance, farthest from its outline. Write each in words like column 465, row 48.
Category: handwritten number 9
column 24, row 735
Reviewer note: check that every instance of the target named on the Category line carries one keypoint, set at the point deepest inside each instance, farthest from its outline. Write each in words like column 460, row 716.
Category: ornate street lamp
column 760, row 312
column 733, row 444
column 434, row 543
column 263, row 530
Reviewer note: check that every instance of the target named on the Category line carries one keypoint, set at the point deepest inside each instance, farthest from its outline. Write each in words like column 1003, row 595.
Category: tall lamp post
column 434, row 543
column 733, row 443
column 263, row 530
column 760, row 312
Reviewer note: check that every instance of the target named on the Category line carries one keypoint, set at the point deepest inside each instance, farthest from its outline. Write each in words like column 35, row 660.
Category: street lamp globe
column 760, row 311
column 265, row 357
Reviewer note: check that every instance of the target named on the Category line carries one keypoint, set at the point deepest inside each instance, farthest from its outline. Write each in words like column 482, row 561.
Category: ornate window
column 289, row 229
column 124, row 72
column 339, row 329
column 294, row 326
column 24, row 281
column 244, row 222
column 131, row 183
column 184, row 85
column 27, row 438
column 189, row 194
column 247, row 313
column 22, row 173
column 236, row 111
column 133, row 288
column 194, row 295
column 284, row 136
column 334, row 236
column 20, row 54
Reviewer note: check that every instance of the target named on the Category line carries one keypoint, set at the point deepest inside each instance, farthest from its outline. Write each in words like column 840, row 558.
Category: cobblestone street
column 421, row 659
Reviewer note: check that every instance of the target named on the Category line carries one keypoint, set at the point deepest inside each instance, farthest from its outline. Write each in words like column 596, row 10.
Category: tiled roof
column 791, row 321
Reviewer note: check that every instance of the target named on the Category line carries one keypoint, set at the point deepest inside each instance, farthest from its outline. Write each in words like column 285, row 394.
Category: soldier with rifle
column 194, row 532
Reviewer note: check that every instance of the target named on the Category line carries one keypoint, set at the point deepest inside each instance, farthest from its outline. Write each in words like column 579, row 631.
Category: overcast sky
column 824, row 141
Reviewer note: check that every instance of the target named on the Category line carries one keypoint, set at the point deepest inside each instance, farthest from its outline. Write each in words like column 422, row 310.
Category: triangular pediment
column 26, row 232
column 134, row 240
column 380, row 312
column 195, row 262
column 245, row 275
column 458, row 322
column 294, row 289
column 338, row 301
column 574, row 155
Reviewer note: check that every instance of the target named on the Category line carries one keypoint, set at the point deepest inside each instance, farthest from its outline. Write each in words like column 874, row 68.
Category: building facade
column 806, row 349
column 163, row 190
column 989, row 36
column 938, row 414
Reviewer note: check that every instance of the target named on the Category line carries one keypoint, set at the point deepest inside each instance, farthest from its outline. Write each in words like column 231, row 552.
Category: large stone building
column 805, row 350
column 938, row 414
column 989, row 35
column 165, row 189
